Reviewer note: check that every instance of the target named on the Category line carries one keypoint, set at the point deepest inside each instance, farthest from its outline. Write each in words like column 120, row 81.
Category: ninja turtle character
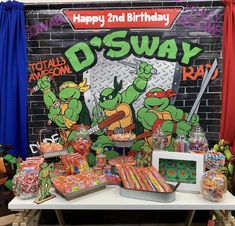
column 45, row 180
column 8, row 166
column 228, row 169
column 159, row 113
column 64, row 110
column 112, row 101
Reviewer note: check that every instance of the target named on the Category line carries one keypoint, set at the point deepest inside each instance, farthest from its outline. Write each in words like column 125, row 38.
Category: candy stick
column 123, row 176
column 128, row 176
column 133, row 177
column 149, row 182
column 139, row 178
column 146, row 183
column 160, row 179
column 153, row 180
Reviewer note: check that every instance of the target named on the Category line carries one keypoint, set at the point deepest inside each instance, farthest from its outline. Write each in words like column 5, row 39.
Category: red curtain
column 227, row 130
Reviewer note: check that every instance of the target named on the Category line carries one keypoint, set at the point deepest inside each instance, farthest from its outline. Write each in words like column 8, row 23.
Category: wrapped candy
column 159, row 140
column 214, row 160
column 197, row 140
column 181, row 143
column 26, row 183
column 82, row 142
column 213, row 186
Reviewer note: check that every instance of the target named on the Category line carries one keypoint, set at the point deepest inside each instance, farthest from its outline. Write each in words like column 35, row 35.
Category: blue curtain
column 13, row 77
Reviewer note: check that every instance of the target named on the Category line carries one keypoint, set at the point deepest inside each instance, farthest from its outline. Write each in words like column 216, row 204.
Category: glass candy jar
column 197, row 140
column 214, row 160
column 214, row 183
column 26, row 183
column 82, row 142
column 159, row 140
column 181, row 143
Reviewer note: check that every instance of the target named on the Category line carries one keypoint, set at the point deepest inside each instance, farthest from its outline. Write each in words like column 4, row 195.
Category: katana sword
column 207, row 76
column 203, row 81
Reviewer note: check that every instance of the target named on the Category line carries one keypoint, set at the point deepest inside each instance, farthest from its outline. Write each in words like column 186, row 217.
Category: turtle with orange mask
column 159, row 113
column 65, row 109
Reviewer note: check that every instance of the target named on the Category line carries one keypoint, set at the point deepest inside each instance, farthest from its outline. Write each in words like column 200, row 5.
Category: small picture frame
column 177, row 166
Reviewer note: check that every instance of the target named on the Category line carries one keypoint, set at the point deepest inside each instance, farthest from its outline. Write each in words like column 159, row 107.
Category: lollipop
column 214, row 160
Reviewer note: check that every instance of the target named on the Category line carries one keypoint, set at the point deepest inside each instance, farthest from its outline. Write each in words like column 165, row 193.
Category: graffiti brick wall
column 51, row 42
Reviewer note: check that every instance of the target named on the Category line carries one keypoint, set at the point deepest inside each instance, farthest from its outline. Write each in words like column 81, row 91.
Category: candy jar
column 159, row 140
column 82, row 141
column 100, row 157
column 214, row 160
column 197, row 140
column 26, row 183
column 181, row 143
column 214, row 183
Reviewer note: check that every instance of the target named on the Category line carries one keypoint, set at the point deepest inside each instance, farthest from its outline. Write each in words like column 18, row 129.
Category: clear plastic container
column 197, row 140
column 214, row 160
column 159, row 140
column 26, row 184
column 82, row 142
column 181, row 143
column 213, row 185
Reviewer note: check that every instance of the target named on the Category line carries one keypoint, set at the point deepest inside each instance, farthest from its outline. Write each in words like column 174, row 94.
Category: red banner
column 124, row 18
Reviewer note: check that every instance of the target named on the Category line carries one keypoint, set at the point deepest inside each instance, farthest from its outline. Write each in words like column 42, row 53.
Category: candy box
column 79, row 193
column 74, row 186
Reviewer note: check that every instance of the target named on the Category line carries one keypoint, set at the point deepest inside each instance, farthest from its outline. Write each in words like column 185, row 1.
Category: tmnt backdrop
column 135, row 68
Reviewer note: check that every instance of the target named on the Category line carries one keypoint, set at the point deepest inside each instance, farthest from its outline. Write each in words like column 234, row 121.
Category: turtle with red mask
column 157, row 112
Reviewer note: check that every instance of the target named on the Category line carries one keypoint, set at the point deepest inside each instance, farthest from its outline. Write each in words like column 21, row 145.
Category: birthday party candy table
column 110, row 199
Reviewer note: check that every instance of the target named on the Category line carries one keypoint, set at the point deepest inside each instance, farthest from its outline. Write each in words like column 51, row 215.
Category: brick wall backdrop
column 53, row 42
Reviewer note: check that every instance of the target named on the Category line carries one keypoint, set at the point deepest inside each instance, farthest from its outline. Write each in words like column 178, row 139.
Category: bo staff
column 108, row 121
column 207, row 76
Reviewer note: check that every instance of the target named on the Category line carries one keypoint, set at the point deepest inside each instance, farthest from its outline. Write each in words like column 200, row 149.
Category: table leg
column 60, row 217
column 18, row 219
column 224, row 217
column 8, row 219
column 27, row 218
column 189, row 219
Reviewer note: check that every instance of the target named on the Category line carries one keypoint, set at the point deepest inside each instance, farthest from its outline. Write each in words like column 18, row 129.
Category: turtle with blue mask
column 113, row 100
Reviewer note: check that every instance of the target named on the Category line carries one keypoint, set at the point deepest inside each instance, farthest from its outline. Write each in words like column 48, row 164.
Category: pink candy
column 26, row 184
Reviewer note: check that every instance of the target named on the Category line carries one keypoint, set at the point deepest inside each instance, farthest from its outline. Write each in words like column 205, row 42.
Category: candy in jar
column 213, row 185
column 214, row 160
column 82, row 141
column 26, row 184
column 159, row 140
column 181, row 143
column 101, row 160
column 197, row 140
